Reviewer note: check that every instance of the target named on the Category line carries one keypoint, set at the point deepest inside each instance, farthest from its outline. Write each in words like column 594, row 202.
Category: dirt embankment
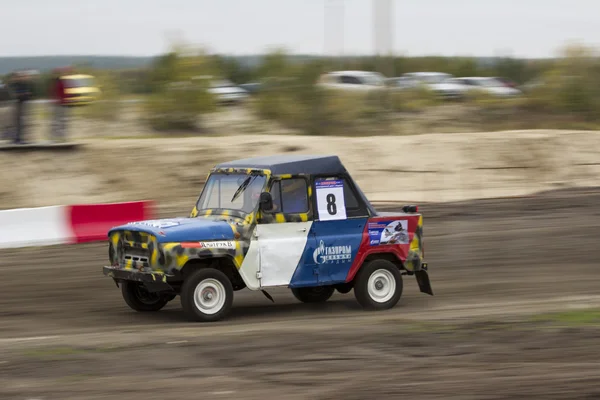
column 434, row 167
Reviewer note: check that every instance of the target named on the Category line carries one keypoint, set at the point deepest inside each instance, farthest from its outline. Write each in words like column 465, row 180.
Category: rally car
column 299, row 222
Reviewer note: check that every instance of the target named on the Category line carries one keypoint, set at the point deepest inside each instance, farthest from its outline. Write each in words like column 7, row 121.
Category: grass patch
column 66, row 351
column 571, row 318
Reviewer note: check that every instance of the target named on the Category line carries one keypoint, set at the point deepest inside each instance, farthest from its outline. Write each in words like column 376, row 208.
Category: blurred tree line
column 175, row 88
column 132, row 81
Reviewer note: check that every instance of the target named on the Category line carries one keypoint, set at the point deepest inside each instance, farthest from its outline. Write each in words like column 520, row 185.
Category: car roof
column 360, row 73
column 76, row 76
column 477, row 78
column 425, row 73
column 291, row 164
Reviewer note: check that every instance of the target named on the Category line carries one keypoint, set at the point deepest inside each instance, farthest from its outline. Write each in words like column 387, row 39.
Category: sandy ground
column 67, row 334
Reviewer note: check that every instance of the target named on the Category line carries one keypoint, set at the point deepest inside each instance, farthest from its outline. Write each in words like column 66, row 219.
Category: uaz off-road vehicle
column 294, row 221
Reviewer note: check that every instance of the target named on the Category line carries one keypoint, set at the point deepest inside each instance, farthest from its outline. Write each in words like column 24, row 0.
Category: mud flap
column 267, row 295
column 423, row 282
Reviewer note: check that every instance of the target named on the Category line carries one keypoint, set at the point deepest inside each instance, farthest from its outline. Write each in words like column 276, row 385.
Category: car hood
column 227, row 90
column 504, row 90
column 180, row 229
column 444, row 87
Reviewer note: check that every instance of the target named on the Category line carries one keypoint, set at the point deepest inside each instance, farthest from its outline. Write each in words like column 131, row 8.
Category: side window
column 336, row 199
column 290, row 196
column 276, row 195
column 294, row 196
column 351, row 80
column 350, row 197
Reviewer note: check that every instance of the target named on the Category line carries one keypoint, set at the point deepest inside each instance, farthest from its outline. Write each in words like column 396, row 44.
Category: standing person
column 22, row 89
column 59, row 107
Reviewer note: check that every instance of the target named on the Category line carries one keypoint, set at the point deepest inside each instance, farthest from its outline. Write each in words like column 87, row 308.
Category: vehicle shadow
column 247, row 313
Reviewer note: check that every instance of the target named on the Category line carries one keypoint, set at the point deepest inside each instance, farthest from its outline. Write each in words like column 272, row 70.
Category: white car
column 492, row 86
column 440, row 83
column 352, row 80
column 227, row 92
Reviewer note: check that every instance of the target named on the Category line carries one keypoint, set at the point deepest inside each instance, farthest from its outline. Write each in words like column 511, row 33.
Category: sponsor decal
column 332, row 254
column 158, row 223
column 223, row 244
column 388, row 232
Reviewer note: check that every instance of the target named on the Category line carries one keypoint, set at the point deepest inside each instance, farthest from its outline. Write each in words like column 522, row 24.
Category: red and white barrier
column 44, row 226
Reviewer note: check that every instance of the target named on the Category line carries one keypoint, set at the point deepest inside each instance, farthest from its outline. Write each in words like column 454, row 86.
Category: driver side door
column 283, row 234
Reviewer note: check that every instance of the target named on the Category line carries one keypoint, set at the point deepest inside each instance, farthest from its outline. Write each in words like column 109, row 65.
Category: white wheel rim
column 209, row 296
column 381, row 286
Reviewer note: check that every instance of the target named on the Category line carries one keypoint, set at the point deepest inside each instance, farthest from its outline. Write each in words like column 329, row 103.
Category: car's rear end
column 80, row 89
column 404, row 230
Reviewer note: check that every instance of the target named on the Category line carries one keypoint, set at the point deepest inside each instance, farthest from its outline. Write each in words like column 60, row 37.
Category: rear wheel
column 140, row 299
column 207, row 295
column 318, row 294
column 378, row 285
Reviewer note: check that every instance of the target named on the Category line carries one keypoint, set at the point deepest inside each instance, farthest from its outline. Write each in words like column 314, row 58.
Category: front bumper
column 132, row 275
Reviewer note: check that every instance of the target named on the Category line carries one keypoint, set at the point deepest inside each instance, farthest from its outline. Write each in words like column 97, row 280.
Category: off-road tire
column 216, row 284
column 318, row 294
column 140, row 299
column 378, row 285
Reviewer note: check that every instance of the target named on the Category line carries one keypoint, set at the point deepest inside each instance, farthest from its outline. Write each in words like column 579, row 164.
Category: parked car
column 80, row 89
column 438, row 82
column 226, row 92
column 507, row 82
column 490, row 85
column 352, row 80
column 297, row 222
column 252, row 87
column 7, row 111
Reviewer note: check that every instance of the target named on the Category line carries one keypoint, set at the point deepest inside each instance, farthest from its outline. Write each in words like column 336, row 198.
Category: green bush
column 413, row 99
column 179, row 90
column 107, row 107
column 571, row 86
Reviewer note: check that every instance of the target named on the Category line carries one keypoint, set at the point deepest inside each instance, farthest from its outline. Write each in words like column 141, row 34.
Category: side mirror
column 265, row 202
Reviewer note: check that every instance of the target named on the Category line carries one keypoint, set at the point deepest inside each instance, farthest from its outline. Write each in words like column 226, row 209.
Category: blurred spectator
column 23, row 91
column 59, row 123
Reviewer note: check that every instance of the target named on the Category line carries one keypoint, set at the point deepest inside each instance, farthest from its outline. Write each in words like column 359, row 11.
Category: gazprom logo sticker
column 332, row 254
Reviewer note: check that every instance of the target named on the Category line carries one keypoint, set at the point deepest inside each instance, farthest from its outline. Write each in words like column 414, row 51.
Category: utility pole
column 334, row 29
column 383, row 34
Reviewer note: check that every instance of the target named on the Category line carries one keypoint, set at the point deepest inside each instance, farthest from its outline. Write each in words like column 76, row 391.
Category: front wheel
column 318, row 294
column 378, row 285
column 207, row 295
column 139, row 299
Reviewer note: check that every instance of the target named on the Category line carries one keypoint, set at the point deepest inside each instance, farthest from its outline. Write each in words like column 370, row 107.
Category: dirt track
column 66, row 333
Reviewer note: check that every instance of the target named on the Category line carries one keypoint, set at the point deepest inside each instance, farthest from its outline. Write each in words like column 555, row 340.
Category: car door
column 283, row 235
column 338, row 227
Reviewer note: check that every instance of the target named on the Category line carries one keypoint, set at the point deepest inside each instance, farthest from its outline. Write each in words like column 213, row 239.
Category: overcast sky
column 524, row 28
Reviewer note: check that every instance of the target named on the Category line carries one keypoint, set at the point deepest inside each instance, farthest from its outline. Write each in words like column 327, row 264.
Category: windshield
column 490, row 82
column 372, row 79
column 78, row 82
column 239, row 192
column 431, row 79
column 221, row 84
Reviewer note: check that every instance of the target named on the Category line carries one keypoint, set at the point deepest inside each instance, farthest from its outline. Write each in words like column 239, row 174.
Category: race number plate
column 330, row 200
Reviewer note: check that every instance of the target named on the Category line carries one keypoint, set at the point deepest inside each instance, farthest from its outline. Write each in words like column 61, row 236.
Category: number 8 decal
column 331, row 207
column 330, row 199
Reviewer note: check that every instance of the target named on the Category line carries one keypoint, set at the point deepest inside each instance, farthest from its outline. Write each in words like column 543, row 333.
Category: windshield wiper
column 242, row 187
